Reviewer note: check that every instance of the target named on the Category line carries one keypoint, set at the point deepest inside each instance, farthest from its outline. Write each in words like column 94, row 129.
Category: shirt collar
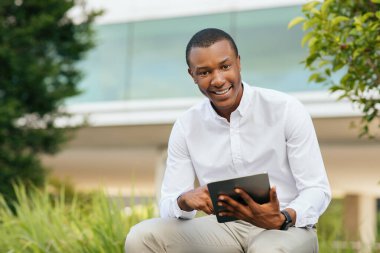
column 245, row 99
column 243, row 106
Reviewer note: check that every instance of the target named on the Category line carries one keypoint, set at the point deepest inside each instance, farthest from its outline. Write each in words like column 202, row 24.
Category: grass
column 50, row 223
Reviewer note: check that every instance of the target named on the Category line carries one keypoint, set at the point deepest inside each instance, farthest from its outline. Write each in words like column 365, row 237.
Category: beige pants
column 206, row 235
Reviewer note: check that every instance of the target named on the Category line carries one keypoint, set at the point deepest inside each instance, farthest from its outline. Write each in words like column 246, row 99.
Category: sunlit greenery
column 344, row 36
column 51, row 221
column 40, row 47
column 47, row 223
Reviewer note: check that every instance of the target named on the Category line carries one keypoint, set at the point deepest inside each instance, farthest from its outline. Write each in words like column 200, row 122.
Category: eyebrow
column 206, row 67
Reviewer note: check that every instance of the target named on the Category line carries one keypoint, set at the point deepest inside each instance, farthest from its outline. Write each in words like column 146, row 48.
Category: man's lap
column 205, row 234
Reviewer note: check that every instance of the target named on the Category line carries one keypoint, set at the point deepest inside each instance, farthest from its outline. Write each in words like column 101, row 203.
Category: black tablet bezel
column 257, row 186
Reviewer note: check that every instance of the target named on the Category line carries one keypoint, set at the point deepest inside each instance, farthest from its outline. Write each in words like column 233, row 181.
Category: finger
column 231, row 204
column 231, row 214
column 205, row 208
column 210, row 206
column 250, row 202
column 208, row 210
column 225, row 213
column 226, row 206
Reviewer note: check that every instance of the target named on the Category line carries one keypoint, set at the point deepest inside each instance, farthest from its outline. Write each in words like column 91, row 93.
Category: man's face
column 216, row 71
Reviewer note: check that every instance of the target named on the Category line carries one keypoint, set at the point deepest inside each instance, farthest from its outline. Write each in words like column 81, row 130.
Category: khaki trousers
column 206, row 235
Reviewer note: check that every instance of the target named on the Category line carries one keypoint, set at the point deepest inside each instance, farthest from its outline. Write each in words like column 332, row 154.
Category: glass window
column 271, row 54
column 159, row 67
column 146, row 59
column 106, row 66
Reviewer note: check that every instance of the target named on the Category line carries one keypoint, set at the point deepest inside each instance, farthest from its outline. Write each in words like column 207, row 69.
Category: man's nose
column 218, row 79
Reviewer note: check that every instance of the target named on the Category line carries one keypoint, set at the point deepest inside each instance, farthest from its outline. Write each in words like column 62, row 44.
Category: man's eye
column 225, row 67
column 204, row 73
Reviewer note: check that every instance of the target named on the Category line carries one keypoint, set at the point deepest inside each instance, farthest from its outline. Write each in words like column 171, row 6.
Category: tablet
column 257, row 186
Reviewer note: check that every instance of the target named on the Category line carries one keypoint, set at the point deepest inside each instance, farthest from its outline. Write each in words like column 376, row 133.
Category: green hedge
column 46, row 222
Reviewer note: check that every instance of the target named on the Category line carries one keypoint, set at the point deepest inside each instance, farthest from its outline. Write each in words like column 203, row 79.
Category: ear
column 191, row 73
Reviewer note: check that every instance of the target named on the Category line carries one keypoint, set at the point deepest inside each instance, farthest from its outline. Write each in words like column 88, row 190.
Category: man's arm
column 178, row 197
column 307, row 166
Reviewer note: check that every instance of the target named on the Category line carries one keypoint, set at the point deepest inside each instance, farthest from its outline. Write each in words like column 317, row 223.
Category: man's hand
column 266, row 216
column 197, row 199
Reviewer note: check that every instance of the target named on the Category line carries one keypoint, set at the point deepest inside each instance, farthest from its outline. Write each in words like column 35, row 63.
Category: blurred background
column 136, row 84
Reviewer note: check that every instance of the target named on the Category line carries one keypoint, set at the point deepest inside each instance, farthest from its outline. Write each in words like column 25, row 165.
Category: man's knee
column 266, row 248
column 296, row 240
column 145, row 237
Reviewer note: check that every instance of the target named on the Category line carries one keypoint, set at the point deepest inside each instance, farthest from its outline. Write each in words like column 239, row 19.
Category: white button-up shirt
column 269, row 132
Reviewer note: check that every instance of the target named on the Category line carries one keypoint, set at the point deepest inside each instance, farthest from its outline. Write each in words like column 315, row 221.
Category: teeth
column 222, row 92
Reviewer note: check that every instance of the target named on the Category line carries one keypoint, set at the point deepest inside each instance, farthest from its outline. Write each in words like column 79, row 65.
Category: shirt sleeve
column 307, row 166
column 179, row 175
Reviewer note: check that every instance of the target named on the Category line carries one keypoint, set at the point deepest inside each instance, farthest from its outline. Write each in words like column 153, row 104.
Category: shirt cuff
column 301, row 220
column 178, row 213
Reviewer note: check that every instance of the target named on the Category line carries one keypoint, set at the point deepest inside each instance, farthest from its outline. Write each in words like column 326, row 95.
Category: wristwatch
column 287, row 222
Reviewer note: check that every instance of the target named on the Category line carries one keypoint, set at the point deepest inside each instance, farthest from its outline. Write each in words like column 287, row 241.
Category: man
column 238, row 130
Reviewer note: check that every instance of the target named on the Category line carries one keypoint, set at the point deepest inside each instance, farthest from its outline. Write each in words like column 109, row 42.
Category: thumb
column 273, row 195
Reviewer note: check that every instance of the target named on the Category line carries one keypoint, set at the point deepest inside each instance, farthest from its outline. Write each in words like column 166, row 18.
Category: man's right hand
column 197, row 199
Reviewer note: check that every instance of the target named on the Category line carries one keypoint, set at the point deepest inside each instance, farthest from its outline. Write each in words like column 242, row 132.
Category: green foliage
column 50, row 222
column 39, row 47
column 345, row 36
column 331, row 234
column 46, row 224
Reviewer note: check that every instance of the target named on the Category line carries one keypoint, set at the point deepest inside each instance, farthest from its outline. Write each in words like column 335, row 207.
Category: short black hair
column 208, row 37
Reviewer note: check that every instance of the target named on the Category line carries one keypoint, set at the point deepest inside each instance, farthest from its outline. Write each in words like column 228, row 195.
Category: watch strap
column 287, row 222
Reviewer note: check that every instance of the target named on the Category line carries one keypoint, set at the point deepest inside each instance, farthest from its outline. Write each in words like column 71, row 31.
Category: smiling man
column 238, row 130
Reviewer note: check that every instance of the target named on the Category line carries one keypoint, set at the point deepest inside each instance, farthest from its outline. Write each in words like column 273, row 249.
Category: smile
column 222, row 92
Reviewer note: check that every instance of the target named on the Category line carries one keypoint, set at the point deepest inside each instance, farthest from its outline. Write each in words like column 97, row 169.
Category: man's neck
column 227, row 112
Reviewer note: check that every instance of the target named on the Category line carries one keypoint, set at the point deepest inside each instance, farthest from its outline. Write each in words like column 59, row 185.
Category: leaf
column 325, row 7
column 337, row 67
column 357, row 52
column 370, row 117
column 338, row 19
column 323, row 63
column 345, row 78
column 295, row 21
column 316, row 12
column 313, row 77
column 320, row 79
column 375, row 1
column 312, row 41
column 366, row 16
column 309, row 6
column 308, row 24
column 306, row 38
column 335, row 88
column 358, row 23
column 378, row 14
column 342, row 96
column 311, row 58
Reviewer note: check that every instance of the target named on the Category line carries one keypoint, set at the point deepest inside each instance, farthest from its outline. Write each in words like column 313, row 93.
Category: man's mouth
column 222, row 92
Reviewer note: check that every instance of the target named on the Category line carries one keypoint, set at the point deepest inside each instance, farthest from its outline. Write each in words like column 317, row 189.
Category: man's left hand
column 266, row 215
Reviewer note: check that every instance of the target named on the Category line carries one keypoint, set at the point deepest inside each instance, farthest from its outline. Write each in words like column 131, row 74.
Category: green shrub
column 40, row 47
column 50, row 222
column 43, row 223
